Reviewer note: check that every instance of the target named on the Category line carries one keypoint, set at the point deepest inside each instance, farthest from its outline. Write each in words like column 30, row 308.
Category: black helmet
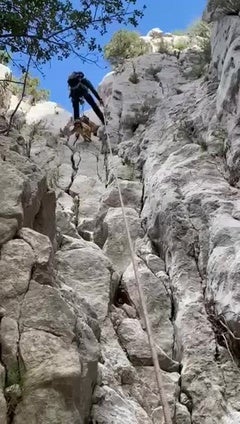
column 75, row 78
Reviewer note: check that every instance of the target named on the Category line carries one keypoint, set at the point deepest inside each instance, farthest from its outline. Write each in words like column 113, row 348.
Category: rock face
column 216, row 9
column 74, row 347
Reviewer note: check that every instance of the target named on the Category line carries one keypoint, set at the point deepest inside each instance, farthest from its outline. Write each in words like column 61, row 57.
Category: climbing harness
column 162, row 394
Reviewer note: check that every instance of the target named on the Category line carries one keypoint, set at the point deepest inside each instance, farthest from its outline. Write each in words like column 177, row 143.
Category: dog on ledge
column 83, row 127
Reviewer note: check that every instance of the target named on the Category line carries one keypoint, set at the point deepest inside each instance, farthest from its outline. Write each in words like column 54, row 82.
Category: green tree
column 4, row 57
column 124, row 45
column 181, row 44
column 32, row 90
column 43, row 28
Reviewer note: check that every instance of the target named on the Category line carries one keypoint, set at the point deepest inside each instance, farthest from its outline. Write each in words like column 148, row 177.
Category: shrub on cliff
column 124, row 45
column 202, row 31
column 199, row 29
column 32, row 90
column 4, row 57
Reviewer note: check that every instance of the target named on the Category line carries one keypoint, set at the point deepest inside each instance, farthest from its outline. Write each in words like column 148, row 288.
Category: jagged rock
column 158, row 416
column 9, row 341
column 46, row 340
column 11, row 208
column 224, row 239
column 66, row 216
column 44, row 221
column 218, row 8
column 3, row 403
column 116, row 245
column 40, row 311
column 124, row 171
column 116, row 374
column 64, row 177
column 135, row 341
column 8, row 228
column 131, row 194
column 112, row 407
column 225, row 45
column 190, row 210
column 43, row 251
column 116, row 363
column 27, row 196
column 59, row 359
column 46, row 406
column 182, row 414
column 2, row 312
column 71, row 243
column 21, row 259
column 145, row 389
column 65, row 225
column 231, row 377
column 89, row 272
column 89, row 190
column 17, row 259
column 130, row 311
column 158, row 302
column 50, row 114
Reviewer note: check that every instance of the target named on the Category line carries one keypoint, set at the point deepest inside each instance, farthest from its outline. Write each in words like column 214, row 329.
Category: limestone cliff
column 73, row 343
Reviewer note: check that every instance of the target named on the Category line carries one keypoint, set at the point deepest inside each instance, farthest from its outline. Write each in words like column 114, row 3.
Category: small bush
column 4, row 57
column 33, row 91
column 203, row 145
column 15, row 375
column 201, row 31
column 204, row 59
column 124, row 45
column 163, row 47
column 134, row 76
column 181, row 44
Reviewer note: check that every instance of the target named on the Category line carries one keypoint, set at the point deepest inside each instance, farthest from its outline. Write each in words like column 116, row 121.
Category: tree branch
column 61, row 31
column 22, row 95
column 14, row 82
column 229, row 331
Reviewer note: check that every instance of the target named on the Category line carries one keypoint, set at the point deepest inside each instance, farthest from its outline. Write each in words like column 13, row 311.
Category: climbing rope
column 163, row 398
column 82, row 108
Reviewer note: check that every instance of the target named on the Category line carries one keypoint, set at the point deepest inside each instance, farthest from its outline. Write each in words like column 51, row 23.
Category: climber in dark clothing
column 79, row 88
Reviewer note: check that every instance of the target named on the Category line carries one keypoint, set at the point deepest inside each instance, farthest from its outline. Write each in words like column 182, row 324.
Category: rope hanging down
column 163, row 399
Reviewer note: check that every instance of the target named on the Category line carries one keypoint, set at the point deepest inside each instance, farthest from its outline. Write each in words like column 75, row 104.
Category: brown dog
column 94, row 127
column 84, row 127
column 81, row 129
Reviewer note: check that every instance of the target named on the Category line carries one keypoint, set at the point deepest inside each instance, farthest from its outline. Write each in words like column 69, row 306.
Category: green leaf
column 44, row 29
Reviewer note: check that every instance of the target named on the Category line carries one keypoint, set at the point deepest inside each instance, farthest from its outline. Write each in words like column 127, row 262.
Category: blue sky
column 168, row 15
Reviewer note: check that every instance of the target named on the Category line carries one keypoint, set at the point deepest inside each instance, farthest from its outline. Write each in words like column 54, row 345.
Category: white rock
column 52, row 115
column 116, row 246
